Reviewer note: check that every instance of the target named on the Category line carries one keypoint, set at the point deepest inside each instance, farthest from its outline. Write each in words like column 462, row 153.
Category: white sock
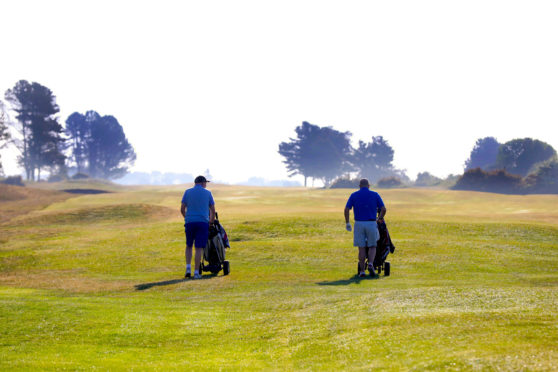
column 188, row 268
column 196, row 272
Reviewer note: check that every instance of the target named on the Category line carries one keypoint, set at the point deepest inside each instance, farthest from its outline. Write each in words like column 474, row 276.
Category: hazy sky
column 218, row 84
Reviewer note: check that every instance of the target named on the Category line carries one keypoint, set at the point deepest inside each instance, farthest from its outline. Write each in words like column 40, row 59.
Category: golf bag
column 214, row 252
column 383, row 248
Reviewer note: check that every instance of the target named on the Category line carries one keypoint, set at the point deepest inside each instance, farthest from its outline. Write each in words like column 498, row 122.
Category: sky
column 218, row 85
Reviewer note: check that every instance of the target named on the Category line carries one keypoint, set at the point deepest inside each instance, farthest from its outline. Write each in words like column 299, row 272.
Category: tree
column 49, row 146
column 78, row 131
column 41, row 143
column 373, row 160
column 317, row 152
column 484, row 154
column 426, row 179
column 329, row 153
column 292, row 151
column 4, row 134
column 519, row 156
column 98, row 144
column 544, row 179
column 498, row 181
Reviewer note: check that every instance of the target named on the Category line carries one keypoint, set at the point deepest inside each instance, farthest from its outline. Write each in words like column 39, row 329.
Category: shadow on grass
column 144, row 286
column 353, row 280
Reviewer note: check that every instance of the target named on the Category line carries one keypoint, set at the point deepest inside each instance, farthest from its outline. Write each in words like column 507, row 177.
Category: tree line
column 326, row 154
column 89, row 143
column 519, row 166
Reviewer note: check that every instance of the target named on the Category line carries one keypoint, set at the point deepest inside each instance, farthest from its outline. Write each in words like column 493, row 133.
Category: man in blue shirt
column 198, row 210
column 366, row 204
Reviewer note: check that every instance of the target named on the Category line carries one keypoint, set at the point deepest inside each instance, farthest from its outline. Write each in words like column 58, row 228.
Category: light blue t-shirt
column 197, row 201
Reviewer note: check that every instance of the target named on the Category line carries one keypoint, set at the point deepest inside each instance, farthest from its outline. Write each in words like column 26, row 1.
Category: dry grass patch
column 16, row 200
column 107, row 214
column 72, row 281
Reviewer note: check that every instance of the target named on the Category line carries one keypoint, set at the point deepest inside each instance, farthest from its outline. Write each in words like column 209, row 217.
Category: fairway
column 96, row 282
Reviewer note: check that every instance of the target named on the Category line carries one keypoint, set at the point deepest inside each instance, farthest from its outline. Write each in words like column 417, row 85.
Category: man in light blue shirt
column 198, row 210
column 367, row 204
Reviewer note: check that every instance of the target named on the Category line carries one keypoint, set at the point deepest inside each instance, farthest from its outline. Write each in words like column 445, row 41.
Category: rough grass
column 106, row 214
column 17, row 200
column 95, row 282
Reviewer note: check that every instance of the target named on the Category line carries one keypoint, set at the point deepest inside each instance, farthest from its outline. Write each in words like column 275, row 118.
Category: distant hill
column 159, row 178
column 259, row 181
column 155, row 178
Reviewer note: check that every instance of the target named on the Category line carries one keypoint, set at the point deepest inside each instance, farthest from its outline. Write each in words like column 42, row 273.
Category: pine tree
column 41, row 143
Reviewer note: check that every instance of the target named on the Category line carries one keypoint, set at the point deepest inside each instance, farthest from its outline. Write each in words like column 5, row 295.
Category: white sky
column 219, row 84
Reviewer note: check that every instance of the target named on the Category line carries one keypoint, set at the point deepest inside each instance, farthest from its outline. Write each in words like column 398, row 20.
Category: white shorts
column 366, row 234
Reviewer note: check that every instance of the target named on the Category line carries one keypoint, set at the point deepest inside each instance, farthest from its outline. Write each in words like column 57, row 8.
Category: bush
column 345, row 183
column 56, row 178
column 544, row 180
column 427, row 179
column 14, row 180
column 390, row 183
column 450, row 181
column 80, row 176
column 498, row 181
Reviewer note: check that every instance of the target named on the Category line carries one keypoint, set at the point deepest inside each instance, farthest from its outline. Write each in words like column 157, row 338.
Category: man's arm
column 347, row 223
column 347, row 210
column 183, row 210
column 211, row 214
column 382, row 213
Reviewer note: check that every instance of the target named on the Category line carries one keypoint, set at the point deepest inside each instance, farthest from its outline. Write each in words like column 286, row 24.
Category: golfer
column 198, row 210
column 366, row 204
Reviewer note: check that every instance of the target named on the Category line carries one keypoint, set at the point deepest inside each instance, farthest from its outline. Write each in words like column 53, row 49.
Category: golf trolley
column 213, row 259
column 384, row 247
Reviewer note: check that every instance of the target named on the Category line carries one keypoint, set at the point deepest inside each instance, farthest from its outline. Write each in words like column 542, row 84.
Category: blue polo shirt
column 197, row 200
column 366, row 203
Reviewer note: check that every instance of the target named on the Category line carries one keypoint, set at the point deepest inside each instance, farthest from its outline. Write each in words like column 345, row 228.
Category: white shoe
column 197, row 276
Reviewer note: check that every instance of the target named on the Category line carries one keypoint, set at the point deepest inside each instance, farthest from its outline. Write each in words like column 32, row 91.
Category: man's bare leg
column 371, row 256
column 188, row 254
column 199, row 252
column 361, row 258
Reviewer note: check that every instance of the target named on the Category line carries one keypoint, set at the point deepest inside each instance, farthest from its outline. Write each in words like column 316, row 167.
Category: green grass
column 95, row 282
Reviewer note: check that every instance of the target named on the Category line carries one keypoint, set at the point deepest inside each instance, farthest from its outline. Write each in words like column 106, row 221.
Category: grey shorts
column 366, row 234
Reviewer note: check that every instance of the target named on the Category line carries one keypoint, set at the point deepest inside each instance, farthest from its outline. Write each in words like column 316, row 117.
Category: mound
column 108, row 214
column 17, row 200
column 86, row 191
column 80, row 184
column 12, row 193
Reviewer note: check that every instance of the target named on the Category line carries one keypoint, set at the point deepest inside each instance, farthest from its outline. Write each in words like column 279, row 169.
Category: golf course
column 94, row 279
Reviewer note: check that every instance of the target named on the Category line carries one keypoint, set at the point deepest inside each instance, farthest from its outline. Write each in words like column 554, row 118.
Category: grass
column 95, row 282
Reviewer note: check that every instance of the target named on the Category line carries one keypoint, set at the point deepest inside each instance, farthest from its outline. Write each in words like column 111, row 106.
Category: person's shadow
column 353, row 280
column 144, row 286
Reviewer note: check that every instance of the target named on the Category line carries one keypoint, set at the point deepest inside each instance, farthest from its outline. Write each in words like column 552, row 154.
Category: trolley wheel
column 226, row 267
column 387, row 268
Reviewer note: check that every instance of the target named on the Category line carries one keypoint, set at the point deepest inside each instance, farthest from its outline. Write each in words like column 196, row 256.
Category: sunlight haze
column 218, row 85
